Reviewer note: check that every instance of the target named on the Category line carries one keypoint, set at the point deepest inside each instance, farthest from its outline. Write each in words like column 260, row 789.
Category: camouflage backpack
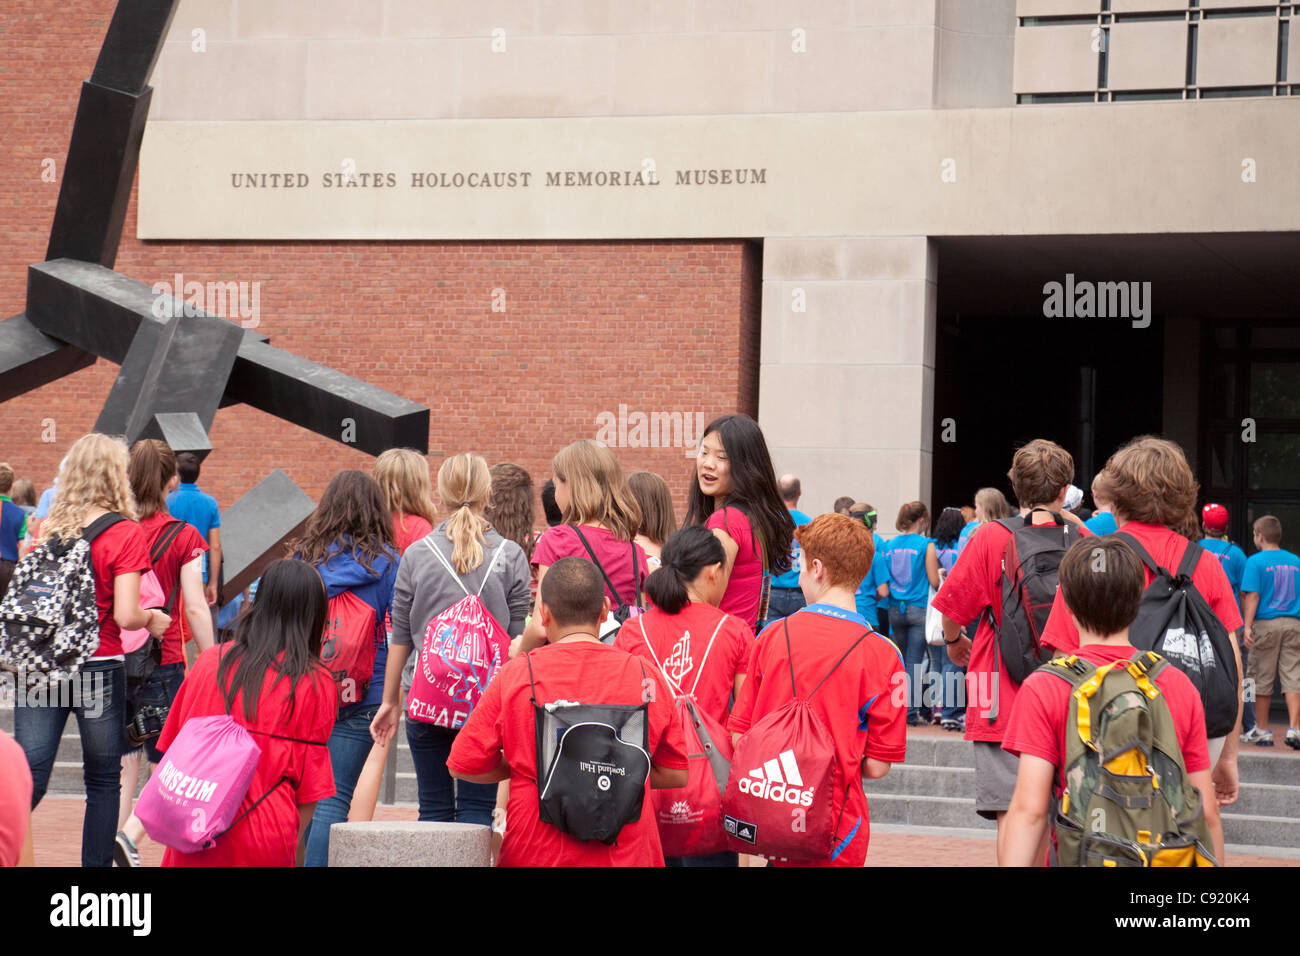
column 1127, row 800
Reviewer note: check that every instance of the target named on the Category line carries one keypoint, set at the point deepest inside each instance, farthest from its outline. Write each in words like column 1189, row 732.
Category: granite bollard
column 407, row 843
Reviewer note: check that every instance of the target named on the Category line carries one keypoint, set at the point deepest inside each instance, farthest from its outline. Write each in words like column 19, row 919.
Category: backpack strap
column 161, row 545
column 285, row 778
column 442, row 559
column 636, row 570
column 1145, row 556
column 1191, row 558
column 672, row 683
column 790, row 659
column 100, row 525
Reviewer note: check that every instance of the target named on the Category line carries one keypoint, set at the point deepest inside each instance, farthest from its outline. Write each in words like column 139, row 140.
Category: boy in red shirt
column 499, row 742
column 1102, row 582
column 1040, row 475
column 864, row 701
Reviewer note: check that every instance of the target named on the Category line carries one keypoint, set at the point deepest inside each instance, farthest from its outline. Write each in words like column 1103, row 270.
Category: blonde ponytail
column 464, row 485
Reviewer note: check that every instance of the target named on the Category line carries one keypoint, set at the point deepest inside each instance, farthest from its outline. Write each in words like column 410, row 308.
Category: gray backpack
column 49, row 621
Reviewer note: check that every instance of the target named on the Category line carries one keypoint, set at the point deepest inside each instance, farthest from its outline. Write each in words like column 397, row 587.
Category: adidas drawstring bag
column 786, row 793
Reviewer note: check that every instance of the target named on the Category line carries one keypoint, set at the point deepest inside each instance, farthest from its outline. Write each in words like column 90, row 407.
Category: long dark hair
column 287, row 618
column 753, row 490
column 685, row 554
column 948, row 528
column 352, row 512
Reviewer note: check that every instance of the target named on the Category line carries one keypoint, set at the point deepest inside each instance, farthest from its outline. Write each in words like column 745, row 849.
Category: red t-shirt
column 504, row 721
column 745, row 586
column 680, row 643
column 863, row 704
column 268, row 836
column 187, row 546
column 1036, row 725
column 615, row 557
column 15, row 799
column 1166, row 548
column 408, row 529
column 121, row 549
column 974, row 584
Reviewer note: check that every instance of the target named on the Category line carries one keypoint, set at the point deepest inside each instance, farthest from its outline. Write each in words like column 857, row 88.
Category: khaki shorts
column 995, row 779
column 1277, row 648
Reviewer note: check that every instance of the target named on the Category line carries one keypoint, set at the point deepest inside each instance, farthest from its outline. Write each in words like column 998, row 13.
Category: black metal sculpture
column 178, row 369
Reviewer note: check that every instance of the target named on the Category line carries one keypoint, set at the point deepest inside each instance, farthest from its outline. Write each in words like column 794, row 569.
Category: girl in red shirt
column 179, row 570
column 93, row 483
column 735, row 496
column 271, row 681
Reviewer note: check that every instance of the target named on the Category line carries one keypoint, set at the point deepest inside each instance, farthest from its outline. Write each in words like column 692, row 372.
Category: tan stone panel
column 1055, row 59
column 1239, row 51
column 975, row 70
column 1041, row 170
column 1148, row 56
column 1148, row 6
column 215, row 17
column 294, row 19
column 879, row 13
column 731, row 16
column 243, row 80
column 888, row 401
column 382, row 79
column 652, row 16
column 877, row 257
column 1293, row 60
column 870, row 68
column 1225, row 4
column 422, row 18
column 803, row 258
column 537, row 76
column 883, row 321
column 574, row 17
column 981, row 17
column 1056, row 8
column 707, row 73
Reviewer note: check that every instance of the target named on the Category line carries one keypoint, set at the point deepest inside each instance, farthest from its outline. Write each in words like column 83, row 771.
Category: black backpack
column 1031, row 563
column 623, row 613
column 49, row 620
column 1176, row 622
column 593, row 761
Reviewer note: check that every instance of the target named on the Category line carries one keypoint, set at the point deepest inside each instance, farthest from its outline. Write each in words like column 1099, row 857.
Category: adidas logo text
column 768, row 783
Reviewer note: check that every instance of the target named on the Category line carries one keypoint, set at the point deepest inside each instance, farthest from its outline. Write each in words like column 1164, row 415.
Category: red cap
column 1214, row 517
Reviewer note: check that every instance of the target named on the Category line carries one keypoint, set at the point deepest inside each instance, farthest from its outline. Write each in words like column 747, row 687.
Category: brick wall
column 586, row 326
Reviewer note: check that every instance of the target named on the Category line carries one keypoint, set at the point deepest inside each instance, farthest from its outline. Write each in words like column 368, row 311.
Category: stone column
column 846, row 381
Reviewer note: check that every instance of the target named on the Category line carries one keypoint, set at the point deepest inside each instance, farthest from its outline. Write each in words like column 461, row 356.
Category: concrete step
column 913, row 810
column 1259, row 830
column 926, row 781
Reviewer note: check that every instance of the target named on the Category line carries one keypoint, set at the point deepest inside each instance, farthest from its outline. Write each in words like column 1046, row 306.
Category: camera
column 146, row 724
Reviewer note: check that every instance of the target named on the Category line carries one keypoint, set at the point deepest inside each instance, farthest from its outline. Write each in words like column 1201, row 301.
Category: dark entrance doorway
column 1087, row 384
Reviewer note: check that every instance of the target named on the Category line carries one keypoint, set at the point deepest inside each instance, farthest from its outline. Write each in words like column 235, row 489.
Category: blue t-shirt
column 13, row 525
column 198, row 509
column 905, row 563
column 1103, row 522
column 791, row 578
column 1233, row 560
column 46, row 502
column 947, row 554
column 1272, row 575
column 865, row 595
column 966, row 532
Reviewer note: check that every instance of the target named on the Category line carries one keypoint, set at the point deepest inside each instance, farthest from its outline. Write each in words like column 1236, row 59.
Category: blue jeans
column 943, row 699
column 162, row 690
column 782, row 603
column 99, row 701
column 349, row 746
column 443, row 800
column 907, row 625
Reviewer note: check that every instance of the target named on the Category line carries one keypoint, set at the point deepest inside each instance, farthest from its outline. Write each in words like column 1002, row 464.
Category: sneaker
column 124, row 851
column 951, row 723
column 913, row 720
column 1293, row 738
column 1261, row 737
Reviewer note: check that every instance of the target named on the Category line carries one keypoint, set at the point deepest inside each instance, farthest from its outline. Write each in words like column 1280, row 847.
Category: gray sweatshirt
column 425, row 589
